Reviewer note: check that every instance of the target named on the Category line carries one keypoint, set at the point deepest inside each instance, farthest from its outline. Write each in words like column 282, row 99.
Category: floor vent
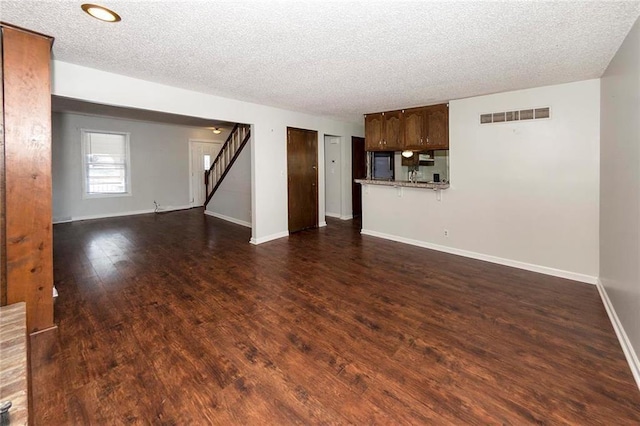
column 521, row 115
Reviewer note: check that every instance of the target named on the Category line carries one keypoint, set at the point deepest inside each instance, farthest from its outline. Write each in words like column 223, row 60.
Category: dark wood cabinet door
column 414, row 129
column 302, row 166
column 374, row 132
column 392, row 131
column 437, row 121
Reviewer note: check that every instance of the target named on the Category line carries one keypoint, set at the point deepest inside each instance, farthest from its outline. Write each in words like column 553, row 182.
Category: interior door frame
column 356, row 187
column 190, row 153
column 317, row 160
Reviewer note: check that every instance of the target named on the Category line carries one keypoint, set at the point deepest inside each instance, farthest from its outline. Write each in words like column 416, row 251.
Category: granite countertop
column 404, row 183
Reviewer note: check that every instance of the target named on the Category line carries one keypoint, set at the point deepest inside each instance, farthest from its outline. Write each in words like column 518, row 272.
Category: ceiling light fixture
column 101, row 13
column 407, row 154
column 217, row 131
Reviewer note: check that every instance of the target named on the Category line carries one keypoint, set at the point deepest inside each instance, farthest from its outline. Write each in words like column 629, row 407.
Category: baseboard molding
column 271, row 237
column 338, row 216
column 627, row 348
column 120, row 214
column 108, row 215
column 322, row 224
column 228, row 218
column 487, row 258
column 56, row 220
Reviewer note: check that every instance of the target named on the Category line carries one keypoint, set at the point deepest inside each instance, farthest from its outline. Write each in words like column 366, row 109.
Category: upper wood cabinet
column 418, row 129
column 383, row 131
column 426, row 128
column 415, row 129
column 437, row 122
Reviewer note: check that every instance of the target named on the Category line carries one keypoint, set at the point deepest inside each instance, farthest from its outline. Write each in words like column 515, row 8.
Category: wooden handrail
column 226, row 143
column 222, row 155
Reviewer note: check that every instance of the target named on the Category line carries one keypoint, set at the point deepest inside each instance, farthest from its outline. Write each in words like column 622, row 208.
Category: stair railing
column 228, row 154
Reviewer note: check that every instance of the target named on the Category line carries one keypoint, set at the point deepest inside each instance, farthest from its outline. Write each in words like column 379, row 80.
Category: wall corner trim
column 271, row 237
column 588, row 279
column 627, row 348
column 228, row 218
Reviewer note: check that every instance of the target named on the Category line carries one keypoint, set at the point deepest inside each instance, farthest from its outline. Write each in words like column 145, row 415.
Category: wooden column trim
column 27, row 173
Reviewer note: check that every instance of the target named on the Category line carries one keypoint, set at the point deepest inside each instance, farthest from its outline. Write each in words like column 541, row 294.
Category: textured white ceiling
column 338, row 58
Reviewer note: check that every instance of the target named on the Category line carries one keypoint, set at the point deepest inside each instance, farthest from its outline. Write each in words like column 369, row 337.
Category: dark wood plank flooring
column 177, row 319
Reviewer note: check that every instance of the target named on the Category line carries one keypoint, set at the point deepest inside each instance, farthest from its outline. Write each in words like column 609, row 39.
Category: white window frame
column 84, row 140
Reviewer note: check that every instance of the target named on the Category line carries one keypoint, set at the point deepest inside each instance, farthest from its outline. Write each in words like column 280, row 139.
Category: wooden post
column 27, row 174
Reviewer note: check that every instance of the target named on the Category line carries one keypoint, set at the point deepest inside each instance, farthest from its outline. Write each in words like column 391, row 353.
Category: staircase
column 226, row 157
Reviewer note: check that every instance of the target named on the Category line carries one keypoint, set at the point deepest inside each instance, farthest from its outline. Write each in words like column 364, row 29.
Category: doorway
column 358, row 171
column 202, row 153
column 302, row 175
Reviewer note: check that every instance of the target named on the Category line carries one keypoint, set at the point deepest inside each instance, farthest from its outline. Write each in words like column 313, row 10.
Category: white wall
column 269, row 126
column 159, row 166
column 522, row 193
column 620, row 191
column 232, row 200
column 333, row 175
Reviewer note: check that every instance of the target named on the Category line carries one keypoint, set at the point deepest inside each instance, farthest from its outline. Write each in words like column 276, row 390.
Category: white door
column 202, row 156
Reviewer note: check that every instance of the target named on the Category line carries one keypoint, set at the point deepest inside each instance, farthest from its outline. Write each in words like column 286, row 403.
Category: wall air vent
column 521, row 115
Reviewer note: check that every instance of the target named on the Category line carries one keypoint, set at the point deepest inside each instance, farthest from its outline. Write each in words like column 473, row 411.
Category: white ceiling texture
column 338, row 58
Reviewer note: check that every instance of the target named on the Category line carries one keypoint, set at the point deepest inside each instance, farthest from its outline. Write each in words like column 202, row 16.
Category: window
column 105, row 157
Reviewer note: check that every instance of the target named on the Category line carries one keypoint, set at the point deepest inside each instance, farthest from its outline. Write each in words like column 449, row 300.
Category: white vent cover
column 521, row 115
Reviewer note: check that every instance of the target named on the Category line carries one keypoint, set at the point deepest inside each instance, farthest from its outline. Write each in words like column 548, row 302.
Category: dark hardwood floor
column 177, row 319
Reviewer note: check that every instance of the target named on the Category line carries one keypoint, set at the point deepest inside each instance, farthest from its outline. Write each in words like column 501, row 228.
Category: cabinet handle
column 420, row 141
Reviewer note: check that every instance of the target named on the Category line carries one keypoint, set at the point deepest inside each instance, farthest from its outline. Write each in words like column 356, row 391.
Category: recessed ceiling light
column 217, row 131
column 100, row 12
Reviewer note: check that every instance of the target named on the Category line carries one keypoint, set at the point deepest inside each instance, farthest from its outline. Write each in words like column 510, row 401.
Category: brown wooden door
column 358, row 171
column 437, row 120
column 392, row 131
column 302, row 166
column 374, row 132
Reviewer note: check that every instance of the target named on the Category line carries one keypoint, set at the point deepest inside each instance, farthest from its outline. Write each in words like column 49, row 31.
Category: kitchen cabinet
column 437, row 123
column 383, row 131
column 416, row 129
column 426, row 128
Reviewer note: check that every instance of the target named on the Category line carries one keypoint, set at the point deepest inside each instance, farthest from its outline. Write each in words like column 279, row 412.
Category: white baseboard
column 108, row 215
column 271, row 237
column 228, row 218
column 57, row 220
column 119, row 214
column 338, row 216
column 627, row 348
column 322, row 224
column 488, row 258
